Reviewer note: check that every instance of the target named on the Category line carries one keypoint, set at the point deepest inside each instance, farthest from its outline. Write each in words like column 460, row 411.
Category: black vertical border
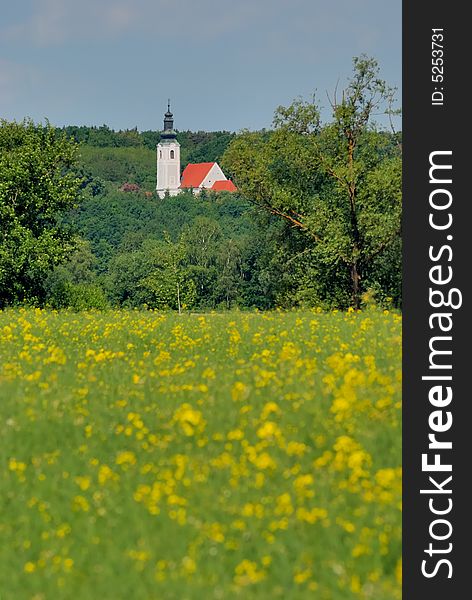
column 428, row 128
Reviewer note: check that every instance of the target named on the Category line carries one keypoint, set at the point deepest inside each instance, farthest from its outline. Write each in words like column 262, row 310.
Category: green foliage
column 130, row 156
column 205, row 255
column 169, row 283
column 196, row 146
column 78, row 297
column 75, row 284
column 38, row 183
column 104, row 137
column 123, row 250
column 203, row 146
column 337, row 185
column 118, row 218
column 316, row 221
column 121, row 165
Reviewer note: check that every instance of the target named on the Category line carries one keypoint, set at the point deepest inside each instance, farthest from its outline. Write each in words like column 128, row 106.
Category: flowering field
column 149, row 456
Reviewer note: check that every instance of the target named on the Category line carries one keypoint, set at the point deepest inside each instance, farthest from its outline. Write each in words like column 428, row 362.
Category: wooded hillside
column 316, row 220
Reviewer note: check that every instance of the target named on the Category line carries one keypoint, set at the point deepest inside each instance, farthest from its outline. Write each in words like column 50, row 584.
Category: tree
column 338, row 184
column 74, row 284
column 201, row 239
column 229, row 272
column 38, row 184
column 170, row 282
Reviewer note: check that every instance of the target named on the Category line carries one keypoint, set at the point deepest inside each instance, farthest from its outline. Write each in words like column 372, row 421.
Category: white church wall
column 168, row 169
column 214, row 174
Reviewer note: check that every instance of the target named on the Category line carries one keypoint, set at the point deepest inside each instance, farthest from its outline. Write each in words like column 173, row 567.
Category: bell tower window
column 172, row 154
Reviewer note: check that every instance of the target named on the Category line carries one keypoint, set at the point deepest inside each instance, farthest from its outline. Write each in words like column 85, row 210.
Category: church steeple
column 168, row 132
column 168, row 158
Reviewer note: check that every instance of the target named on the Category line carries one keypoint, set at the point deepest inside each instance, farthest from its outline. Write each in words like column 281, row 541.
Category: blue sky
column 226, row 64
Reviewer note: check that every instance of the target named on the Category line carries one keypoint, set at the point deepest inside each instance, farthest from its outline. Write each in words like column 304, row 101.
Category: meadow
column 235, row 455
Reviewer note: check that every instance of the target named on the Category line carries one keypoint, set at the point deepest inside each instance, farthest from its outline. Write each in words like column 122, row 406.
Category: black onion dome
column 168, row 133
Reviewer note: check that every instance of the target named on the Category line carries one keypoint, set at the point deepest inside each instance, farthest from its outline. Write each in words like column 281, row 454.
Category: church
column 195, row 177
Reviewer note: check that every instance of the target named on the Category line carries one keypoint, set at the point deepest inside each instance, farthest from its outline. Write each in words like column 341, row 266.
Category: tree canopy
column 38, row 183
column 338, row 184
column 315, row 221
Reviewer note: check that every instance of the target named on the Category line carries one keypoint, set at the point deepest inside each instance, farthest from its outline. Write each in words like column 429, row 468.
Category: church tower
column 168, row 158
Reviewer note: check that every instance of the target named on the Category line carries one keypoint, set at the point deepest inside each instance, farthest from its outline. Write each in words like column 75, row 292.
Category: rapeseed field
column 148, row 456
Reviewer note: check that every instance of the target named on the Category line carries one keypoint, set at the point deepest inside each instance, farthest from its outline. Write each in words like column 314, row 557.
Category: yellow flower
column 189, row 565
column 235, row 434
column 283, row 505
column 268, row 430
column 355, row 584
column 209, row 373
column 125, row 458
column 82, row 482
column 105, row 474
column 239, row 391
column 68, row 564
column 270, row 407
column 247, row 572
column 264, row 461
column 189, row 419
column 302, row 576
column 398, row 572
column 80, row 503
column 385, row 477
column 63, row 530
column 17, row 466
column 296, row 448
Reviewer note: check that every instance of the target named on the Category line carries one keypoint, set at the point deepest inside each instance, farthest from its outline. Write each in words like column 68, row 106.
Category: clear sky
column 225, row 64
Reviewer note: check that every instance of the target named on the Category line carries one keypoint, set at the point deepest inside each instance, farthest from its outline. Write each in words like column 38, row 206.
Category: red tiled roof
column 194, row 174
column 224, row 185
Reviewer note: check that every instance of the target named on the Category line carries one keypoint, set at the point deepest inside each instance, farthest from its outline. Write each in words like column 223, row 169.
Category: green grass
column 234, row 455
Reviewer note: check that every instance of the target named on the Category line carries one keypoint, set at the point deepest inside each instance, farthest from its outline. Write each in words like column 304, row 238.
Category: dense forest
column 130, row 155
column 315, row 221
column 128, row 235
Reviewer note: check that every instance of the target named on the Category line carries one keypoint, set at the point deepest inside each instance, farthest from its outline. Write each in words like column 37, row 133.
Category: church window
column 172, row 154
column 160, row 153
